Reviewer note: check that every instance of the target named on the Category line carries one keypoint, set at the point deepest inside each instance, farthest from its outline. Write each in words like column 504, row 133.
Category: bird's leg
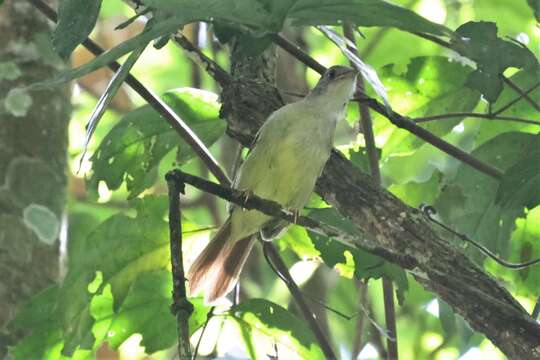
column 246, row 194
column 295, row 213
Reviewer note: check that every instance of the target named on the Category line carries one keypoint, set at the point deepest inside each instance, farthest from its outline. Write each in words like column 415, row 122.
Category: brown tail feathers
column 217, row 268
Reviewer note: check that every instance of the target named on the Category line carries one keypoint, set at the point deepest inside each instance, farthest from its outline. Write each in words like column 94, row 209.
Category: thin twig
column 521, row 93
column 181, row 306
column 209, row 316
column 274, row 258
column 536, row 310
column 267, row 207
column 397, row 119
column 367, row 127
column 474, row 115
column 154, row 101
column 512, row 102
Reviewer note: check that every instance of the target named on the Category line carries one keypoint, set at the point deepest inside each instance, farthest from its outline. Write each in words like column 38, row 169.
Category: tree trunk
column 33, row 144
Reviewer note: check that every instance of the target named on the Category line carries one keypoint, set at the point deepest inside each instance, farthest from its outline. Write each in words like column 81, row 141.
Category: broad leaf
column 165, row 27
column 432, row 85
column 132, row 150
column 361, row 13
column 520, row 185
column 468, row 202
column 428, row 86
column 529, row 81
column 146, row 311
column 351, row 260
column 121, row 249
column 479, row 42
column 76, row 19
column 262, row 317
column 525, row 247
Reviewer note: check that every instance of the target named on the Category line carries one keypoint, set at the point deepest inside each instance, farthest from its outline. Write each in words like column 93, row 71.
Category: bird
column 288, row 156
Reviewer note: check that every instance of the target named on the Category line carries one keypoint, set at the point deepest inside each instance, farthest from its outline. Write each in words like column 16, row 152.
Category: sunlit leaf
column 121, row 249
column 359, row 262
column 146, row 310
column 132, row 150
column 273, row 321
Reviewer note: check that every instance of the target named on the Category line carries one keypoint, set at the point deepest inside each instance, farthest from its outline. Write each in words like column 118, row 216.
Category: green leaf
column 427, row 86
column 526, row 80
column 431, row 85
column 40, row 320
column 362, row 264
column 479, row 42
column 524, row 247
column 145, row 311
column 520, row 185
column 112, row 88
column 121, row 249
column 468, row 202
column 535, row 6
column 258, row 316
column 362, row 13
column 132, row 150
column 165, row 27
column 76, row 19
column 258, row 14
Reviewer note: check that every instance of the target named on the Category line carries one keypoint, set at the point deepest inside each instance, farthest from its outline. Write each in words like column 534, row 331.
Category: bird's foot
column 246, row 195
column 295, row 214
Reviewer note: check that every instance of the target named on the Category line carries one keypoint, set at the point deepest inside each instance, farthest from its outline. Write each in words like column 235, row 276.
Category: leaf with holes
column 479, row 42
column 133, row 149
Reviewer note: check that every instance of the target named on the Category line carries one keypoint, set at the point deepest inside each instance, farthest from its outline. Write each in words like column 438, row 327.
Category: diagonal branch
column 475, row 115
column 398, row 119
column 157, row 104
column 522, row 94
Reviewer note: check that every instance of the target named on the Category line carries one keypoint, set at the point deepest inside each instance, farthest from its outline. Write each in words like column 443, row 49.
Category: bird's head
column 338, row 82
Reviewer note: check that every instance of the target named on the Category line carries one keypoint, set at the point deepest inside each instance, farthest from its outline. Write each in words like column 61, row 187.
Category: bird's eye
column 332, row 73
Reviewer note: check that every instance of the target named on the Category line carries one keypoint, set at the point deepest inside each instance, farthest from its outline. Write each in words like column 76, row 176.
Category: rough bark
column 33, row 143
column 399, row 233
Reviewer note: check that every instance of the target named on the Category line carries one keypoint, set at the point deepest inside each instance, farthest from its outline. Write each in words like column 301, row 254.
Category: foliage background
column 117, row 289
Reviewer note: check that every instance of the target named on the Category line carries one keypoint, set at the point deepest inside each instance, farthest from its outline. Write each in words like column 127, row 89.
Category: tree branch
column 181, row 306
column 399, row 120
column 401, row 235
column 155, row 102
column 522, row 94
column 275, row 260
column 475, row 115
column 373, row 156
